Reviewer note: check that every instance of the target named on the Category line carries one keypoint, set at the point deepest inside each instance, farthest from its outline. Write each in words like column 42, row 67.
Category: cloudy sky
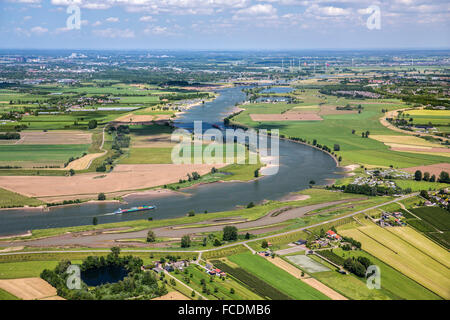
column 224, row 24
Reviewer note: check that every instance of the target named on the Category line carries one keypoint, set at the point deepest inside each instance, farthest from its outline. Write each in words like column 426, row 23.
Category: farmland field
column 276, row 277
column 39, row 155
column 337, row 129
column 4, row 295
column 436, row 216
column 253, row 282
column 10, row 199
column 423, row 267
column 393, row 283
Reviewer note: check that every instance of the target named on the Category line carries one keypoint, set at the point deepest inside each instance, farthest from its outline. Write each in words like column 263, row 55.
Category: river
column 299, row 164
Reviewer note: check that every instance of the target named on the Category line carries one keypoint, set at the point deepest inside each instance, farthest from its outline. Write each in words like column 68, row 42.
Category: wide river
column 299, row 164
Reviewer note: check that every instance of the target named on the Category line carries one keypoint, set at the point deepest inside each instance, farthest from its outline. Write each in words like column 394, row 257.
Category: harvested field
column 403, row 140
column 29, row 289
column 435, row 169
column 445, row 152
column 135, row 118
column 124, row 177
column 307, row 263
column 288, row 116
column 84, row 162
column 55, row 137
column 174, row 295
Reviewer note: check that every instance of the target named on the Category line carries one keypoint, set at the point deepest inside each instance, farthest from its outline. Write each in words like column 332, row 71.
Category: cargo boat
column 134, row 209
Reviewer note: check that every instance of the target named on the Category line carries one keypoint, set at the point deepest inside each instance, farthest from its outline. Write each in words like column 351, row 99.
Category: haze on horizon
column 224, row 24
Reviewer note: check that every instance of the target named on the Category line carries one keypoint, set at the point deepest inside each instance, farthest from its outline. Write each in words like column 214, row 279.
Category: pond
column 104, row 275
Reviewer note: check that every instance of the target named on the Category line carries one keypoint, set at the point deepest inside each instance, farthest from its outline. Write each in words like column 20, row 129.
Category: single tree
column 95, row 221
column 185, row 241
column 151, row 237
column 230, row 233
column 418, row 175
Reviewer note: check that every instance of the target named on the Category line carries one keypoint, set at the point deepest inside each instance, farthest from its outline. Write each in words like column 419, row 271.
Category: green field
column 7, row 296
column 40, row 154
column 393, row 283
column 408, row 252
column 276, row 277
column 337, row 129
column 437, row 217
column 420, row 185
column 10, row 199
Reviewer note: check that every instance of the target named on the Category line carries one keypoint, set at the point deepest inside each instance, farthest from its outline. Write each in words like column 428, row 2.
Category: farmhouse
column 333, row 235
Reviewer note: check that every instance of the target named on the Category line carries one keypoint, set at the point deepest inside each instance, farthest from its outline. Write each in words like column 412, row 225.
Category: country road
column 224, row 246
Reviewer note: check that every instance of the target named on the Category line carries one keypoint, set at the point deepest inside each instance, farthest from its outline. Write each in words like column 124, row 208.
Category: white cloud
column 112, row 19
column 258, row 10
column 146, row 18
column 38, row 30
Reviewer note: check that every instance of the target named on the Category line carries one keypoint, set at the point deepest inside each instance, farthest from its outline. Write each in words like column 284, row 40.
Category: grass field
column 420, row 185
column 40, row 154
column 394, row 249
column 4, row 295
column 10, row 199
column 276, row 277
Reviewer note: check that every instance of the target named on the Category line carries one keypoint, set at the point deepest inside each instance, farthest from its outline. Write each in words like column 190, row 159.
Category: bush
column 101, row 196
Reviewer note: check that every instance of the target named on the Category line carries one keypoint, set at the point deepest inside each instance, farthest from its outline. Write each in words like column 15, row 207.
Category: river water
column 299, row 164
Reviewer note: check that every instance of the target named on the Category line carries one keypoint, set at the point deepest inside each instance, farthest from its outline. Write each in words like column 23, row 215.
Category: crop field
column 434, row 223
column 276, row 277
column 437, row 217
column 394, row 250
column 39, row 155
column 308, row 264
column 393, row 283
column 254, row 283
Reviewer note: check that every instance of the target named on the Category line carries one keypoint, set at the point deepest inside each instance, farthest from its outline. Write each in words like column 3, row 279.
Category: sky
column 224, row 24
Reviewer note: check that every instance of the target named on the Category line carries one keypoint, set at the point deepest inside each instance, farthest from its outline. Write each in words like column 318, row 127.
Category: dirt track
column 98, row 239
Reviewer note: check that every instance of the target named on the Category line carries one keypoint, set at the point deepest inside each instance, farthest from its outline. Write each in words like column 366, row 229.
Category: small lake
column 104, row 275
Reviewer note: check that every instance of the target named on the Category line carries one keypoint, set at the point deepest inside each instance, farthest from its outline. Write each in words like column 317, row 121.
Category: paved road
column 98, row 239
column 232, row 244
